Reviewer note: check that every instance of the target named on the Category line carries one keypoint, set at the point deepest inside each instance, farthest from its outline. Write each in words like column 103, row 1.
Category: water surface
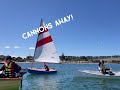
column 69, row 78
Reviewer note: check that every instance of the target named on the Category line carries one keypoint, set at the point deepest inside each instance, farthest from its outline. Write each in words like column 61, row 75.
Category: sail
column 45, row 50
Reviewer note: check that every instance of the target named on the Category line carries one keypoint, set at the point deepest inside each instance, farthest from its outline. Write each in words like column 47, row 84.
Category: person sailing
column 103, row 69
column 46, row 67
column 10, row 68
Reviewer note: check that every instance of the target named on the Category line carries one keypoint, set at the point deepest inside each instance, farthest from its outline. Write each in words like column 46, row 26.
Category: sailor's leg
column 2, row 76
column 103, row 71
column 107, row 69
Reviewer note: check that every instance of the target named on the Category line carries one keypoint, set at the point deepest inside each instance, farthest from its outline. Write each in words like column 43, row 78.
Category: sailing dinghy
column 45, row 52
column 94, row 72
column 11, row 83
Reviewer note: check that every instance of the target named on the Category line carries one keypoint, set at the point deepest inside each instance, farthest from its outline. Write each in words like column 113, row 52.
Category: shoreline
column 70, row 62
column 64, row 63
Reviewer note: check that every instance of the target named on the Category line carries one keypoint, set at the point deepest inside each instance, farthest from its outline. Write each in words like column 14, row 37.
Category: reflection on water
column 40, row 82
column 95, row 83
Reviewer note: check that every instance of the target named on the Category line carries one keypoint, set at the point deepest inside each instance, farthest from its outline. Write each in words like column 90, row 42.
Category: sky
column 94, row 31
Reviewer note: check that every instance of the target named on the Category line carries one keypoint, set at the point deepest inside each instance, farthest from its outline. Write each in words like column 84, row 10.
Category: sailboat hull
column 10, row 83
column 41, row 71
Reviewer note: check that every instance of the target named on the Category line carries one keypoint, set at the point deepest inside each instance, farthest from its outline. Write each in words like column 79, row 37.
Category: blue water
column 69, row 78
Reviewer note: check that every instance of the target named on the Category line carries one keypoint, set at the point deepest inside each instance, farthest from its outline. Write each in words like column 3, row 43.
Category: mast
column 41, row 24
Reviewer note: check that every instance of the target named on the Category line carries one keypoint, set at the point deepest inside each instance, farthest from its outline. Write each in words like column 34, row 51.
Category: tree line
column 18, row 59
column 71, row 59
column 89, row 59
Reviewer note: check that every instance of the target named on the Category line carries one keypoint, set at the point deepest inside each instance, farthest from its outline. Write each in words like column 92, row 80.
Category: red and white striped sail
column 45, row 50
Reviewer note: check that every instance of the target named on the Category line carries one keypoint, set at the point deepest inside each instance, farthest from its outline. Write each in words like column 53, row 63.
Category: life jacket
column 9, row 70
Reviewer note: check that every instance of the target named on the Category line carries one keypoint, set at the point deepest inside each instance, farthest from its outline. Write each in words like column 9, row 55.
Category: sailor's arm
column 17, row 68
